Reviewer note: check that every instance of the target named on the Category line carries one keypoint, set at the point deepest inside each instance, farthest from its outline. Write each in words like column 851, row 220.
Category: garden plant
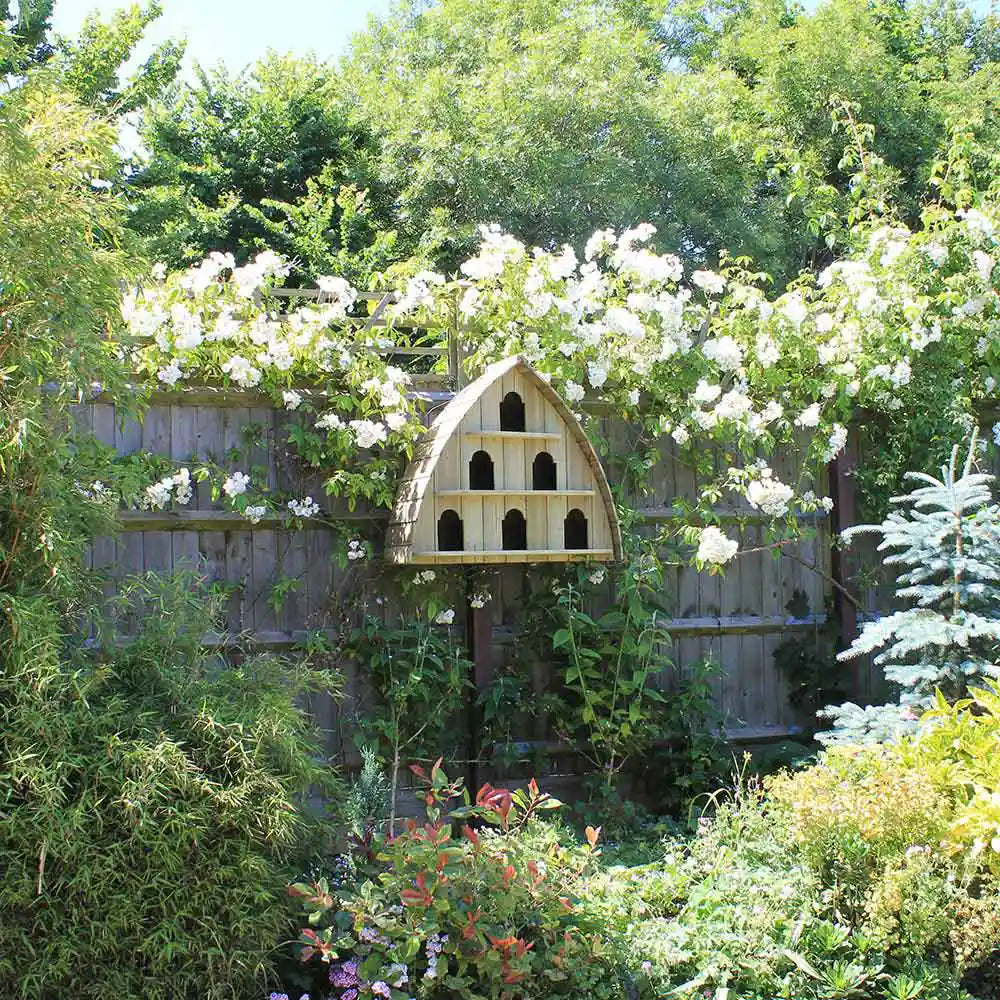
column 744, row 238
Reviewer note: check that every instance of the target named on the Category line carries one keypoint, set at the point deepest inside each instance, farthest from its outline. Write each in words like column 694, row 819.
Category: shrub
column 855, row 812
column 150, row 805
column 488, row 910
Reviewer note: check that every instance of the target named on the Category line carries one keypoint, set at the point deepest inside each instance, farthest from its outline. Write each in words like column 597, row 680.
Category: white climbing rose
column 714, row 547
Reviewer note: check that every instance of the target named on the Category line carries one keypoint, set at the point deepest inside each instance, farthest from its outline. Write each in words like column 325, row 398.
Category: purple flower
column 380, row 989
column 345, row 974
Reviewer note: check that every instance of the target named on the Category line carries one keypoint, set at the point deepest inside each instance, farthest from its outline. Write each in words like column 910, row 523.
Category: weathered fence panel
column 738, row 620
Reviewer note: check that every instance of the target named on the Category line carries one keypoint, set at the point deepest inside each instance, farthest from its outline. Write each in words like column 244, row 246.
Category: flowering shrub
column 212, row 322
column 485, row 909
column 702, row 359
column 855, row 812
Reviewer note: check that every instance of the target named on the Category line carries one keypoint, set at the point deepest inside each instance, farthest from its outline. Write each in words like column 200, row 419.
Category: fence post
column 479, row 636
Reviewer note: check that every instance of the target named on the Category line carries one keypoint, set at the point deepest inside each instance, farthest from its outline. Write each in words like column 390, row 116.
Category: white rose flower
column 329, row 422
column 770, row 495
column 809, row 417
column 705, row 392
column 597, row 374
column 445, row 617
column 710, row 282
column 396, row 420
column 724, row 351
column 254, row 513
column 768, row 352
column 236, row 484
column 291, row 399
column 715, row 548
column 171, row 374
column 574, row 392
column 368, row 433
column 303, row 508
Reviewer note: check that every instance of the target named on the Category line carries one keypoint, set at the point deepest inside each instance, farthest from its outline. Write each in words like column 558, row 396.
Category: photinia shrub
column 481, row 902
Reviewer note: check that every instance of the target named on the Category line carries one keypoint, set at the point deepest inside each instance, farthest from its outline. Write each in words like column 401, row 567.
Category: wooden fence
column 738, row 619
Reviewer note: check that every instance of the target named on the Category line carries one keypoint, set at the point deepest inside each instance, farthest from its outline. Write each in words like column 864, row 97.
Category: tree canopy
column 725, row 125
column 267, row 159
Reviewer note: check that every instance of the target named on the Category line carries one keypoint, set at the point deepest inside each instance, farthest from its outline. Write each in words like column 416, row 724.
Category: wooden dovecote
column 505, row 474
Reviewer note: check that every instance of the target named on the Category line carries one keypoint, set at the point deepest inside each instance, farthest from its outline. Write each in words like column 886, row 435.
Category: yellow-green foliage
column 962, row 740
column 856, row 810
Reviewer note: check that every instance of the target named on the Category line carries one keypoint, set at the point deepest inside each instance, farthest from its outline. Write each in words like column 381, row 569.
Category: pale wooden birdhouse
column 505, row 474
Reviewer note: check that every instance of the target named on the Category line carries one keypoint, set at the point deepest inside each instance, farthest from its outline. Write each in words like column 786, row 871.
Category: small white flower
column 724, row 351
column 171, row 374
column 768, row 352
column 356, row 549
column 770, row 495
column 368, row 433
column 597, row 374
column 836, row 443
column 480, row 600
column 597, row 577
column 984, row 265
column 236, row 484
column 291, row 399
column 794, row 309
column 937, row 253
column 445, row 617
column 681, row 435
column 710, row 282
column 254, row 514
column 715, row 548
column 396, row 420
column 633, row 397
column 705, row 392
column 574, row 392
column 303, row 508
column 470, row 303
column 241, row 371
column 425, row 576
column 329, row 422
column 182, row 486
column 809, row 417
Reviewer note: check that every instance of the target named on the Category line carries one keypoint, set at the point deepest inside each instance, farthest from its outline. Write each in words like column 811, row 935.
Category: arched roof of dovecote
column 416, row 481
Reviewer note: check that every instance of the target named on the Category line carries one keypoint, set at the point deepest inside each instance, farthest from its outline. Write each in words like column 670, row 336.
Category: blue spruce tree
column 945, row 535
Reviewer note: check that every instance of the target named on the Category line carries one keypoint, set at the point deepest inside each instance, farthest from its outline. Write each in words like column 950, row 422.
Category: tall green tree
column 267, row 158
column 26, row 25
column 89, row 66
column 546, row 118
column 712, row 121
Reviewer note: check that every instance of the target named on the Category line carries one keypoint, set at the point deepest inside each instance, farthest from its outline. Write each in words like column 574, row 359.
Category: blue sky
column 238, row 32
